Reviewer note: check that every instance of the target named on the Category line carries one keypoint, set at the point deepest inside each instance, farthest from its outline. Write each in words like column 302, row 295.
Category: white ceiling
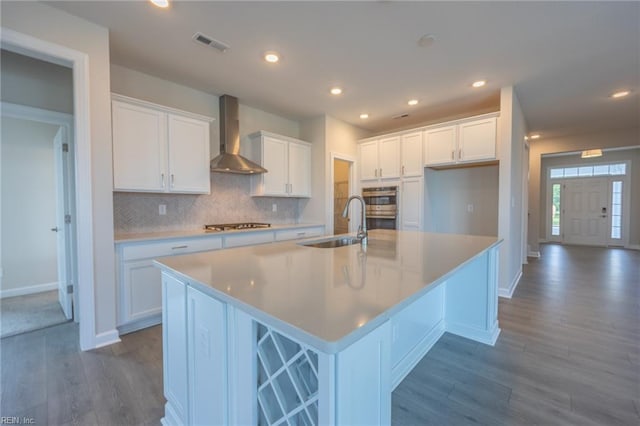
column 564, row 58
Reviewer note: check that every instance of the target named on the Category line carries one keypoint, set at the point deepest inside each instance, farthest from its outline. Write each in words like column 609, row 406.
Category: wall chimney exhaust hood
column 230, row 160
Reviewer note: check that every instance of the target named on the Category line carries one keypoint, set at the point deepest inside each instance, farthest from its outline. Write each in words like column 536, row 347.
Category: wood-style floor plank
column 568, row 354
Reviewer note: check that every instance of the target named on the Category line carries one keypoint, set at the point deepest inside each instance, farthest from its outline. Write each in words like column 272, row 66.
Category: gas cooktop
column 231, row 226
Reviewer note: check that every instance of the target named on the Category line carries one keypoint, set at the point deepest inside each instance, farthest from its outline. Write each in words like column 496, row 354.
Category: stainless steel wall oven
column 382, row 207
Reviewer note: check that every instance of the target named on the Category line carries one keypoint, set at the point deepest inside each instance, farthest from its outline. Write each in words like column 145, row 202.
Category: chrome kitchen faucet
column 362, row 234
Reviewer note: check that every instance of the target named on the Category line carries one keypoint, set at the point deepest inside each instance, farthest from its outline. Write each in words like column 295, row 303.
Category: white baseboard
column 406, row 364
column 140, row 324
column 32, row 289
column 488, row 337
column 535, row 254
column 105, row 339
column 508, row 292
column 633, row 246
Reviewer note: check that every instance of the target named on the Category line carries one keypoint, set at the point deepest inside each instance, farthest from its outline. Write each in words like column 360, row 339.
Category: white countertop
column 329, row 298
column 163, row 235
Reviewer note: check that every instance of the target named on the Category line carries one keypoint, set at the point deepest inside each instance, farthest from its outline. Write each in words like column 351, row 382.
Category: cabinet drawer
column 248, row 239
column 295, row 234
column 169, row 248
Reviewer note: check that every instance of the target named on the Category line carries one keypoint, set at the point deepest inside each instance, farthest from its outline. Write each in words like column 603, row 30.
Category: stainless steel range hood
column 230, row 160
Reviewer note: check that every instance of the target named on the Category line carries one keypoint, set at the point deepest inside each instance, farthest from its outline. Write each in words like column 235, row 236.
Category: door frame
column 23, row 44
column 65, row 123
column 626, row 208
column 354, row 187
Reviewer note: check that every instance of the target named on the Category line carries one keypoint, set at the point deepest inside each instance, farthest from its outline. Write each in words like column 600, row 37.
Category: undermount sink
column 333, row 243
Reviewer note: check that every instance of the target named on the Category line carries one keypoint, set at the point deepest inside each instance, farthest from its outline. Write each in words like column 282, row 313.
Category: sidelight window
column 555, row 209
column 616, row 209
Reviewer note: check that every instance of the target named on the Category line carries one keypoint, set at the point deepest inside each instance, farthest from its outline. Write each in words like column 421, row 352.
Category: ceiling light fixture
column 413, row 102
column 591, row 153
column 336, row 91
column 271, row 57
column 479, row 83
column 160, row 3
column 621, row 94
column 535, row 136
column 364, row 116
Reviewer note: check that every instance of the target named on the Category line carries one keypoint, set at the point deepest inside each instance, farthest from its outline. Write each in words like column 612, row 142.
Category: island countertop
column 329, row 298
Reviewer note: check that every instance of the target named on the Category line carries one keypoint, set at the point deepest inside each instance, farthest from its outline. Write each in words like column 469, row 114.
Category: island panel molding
column 344, row 318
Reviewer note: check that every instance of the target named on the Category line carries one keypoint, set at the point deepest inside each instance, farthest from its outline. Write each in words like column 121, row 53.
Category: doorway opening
column 342, row 173
column 37, row 230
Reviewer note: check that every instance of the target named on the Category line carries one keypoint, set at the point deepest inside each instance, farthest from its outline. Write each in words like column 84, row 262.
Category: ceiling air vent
column 404, row 115
column 210, row 42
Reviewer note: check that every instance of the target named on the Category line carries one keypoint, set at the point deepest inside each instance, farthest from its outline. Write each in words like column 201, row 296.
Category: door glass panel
column 571, row 172
column 558, row 173
column 601, row 170
column 555, row 209
column 618, row 169
column 616, row 208
column 585, row 171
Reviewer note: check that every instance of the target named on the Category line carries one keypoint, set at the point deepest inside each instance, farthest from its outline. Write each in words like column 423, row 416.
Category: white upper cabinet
column 158, row 149
column 411, row 154
column 469, row 141
column 288, row 164
column 440, row 145
column 380, row 159
column 477, row 140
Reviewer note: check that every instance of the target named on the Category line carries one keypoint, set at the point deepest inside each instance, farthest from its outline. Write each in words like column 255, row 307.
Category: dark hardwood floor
column 568, row 354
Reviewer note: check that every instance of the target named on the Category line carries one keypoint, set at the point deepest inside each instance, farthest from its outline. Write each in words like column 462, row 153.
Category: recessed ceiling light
column 364, row 116
column 621, row 94
column 160, row 3
column 479, row 83
column 271, row 57
column 413, row 102
column 336, row 91
column 535, row 136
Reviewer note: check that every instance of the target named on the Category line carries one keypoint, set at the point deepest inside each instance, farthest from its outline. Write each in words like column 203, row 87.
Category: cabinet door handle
column 380, row 172
column 402, row 170
column 375, row 172
column 460, row 154
column 162, row 177
column 172, row 180
column 179, row 247
column 452, row 154
column 301, row 233
column 286, row 188
column 290, row 188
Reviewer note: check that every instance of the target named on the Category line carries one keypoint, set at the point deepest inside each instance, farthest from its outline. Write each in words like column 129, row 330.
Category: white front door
column 586, row 211
column 62, row 227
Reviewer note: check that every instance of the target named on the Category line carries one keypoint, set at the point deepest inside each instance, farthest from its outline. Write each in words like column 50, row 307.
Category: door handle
column 56, row 229
column 604, row 215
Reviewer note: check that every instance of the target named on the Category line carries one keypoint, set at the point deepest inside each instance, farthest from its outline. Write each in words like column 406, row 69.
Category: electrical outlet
column 274, row 207
column 162, row 209
column 470, row 208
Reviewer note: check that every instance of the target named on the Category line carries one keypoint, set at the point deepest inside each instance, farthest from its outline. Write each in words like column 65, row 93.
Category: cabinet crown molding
column 164, row 108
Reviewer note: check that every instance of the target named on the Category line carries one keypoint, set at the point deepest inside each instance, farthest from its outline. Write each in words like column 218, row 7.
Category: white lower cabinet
column 139, row 281
column 206, row 325
column 194, row 338
column 174, row 350
column 298, row 233
column 411, row 204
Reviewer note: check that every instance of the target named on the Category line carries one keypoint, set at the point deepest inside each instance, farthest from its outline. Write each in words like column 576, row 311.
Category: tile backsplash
column 230, row 201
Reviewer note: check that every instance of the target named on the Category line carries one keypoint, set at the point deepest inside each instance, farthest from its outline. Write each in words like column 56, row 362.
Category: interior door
column 585, row 212
column 62, row 228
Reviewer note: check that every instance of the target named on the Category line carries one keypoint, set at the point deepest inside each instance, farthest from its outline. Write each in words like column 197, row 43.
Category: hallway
column 568, row 354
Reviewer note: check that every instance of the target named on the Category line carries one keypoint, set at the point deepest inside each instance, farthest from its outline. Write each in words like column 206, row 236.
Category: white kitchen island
column 284, row 333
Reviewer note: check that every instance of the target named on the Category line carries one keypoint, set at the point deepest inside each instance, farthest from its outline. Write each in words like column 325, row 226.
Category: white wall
column 32, row 82
column 46, row 23
column 448, row 193
column 573, row 143
column 511, row 131
column 29, row 254
column 632, row 155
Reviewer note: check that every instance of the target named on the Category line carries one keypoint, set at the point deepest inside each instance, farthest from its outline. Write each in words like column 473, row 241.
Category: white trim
column 147, row 104
column 35, row 114
column 107, row 338
column 79, row 61
column 477, row 334
column 633, row 246
column 31, row 289
column 154, row 319
column 508, row 292
column 535, row 254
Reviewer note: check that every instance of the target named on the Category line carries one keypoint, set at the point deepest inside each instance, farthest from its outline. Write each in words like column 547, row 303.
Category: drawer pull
column 179, row 247
column 301, row 233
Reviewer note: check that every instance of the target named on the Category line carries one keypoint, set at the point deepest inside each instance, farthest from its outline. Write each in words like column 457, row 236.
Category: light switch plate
column 162, row 209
